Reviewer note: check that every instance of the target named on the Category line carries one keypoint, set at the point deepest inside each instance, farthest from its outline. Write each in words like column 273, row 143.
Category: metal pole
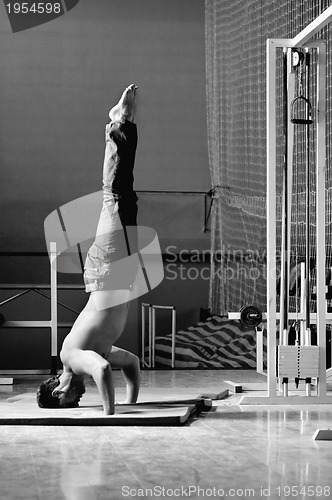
column 153, row 333
column 143, row 336
column 320, row 214
column 150, row 335
column 173, row 335
column 284, row 279
column 307, row 173
column 54, row 308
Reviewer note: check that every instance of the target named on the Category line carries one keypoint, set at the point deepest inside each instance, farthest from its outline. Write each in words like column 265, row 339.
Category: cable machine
column 298, row 365
column 302, row 361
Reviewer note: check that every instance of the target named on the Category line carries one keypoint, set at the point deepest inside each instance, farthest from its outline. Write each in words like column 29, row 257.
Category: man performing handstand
column 89, row 348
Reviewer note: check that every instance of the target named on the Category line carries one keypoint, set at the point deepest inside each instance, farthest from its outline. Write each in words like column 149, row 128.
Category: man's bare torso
column 99, row 337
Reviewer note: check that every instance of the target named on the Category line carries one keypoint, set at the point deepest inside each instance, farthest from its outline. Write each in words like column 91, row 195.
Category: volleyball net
column 236, row 34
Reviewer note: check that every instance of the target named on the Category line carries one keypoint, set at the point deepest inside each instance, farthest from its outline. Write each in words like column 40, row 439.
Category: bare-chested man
column 89, row 348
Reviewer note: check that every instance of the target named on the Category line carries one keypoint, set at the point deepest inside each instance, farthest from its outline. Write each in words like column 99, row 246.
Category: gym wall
column 57, row 83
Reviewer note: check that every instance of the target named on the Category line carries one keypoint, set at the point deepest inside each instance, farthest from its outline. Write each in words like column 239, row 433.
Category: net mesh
column 236, row 34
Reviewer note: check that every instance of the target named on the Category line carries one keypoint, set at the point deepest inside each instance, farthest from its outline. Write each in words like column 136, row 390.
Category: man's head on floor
column 53, row 393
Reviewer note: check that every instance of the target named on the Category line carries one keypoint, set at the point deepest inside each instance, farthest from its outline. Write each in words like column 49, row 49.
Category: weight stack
column 297, row 361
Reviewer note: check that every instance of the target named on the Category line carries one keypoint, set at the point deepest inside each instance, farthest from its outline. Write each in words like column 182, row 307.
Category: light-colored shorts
column 107, row 266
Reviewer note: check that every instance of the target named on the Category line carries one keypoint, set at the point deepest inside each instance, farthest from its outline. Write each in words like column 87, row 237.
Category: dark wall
column 57, row 83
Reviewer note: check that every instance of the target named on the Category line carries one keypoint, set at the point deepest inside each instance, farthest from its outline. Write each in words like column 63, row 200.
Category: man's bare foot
column 125, row 109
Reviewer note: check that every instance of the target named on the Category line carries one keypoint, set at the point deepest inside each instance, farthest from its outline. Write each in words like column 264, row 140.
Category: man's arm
column 129, row 364
column 90, row 363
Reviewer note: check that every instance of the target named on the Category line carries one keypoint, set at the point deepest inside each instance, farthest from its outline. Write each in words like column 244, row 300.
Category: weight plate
column 250, row 316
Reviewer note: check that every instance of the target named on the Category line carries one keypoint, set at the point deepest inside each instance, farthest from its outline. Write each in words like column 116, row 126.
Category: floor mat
column 23, row 410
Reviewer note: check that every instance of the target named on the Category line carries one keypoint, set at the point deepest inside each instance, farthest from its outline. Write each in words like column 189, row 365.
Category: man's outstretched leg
column 107, row 266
